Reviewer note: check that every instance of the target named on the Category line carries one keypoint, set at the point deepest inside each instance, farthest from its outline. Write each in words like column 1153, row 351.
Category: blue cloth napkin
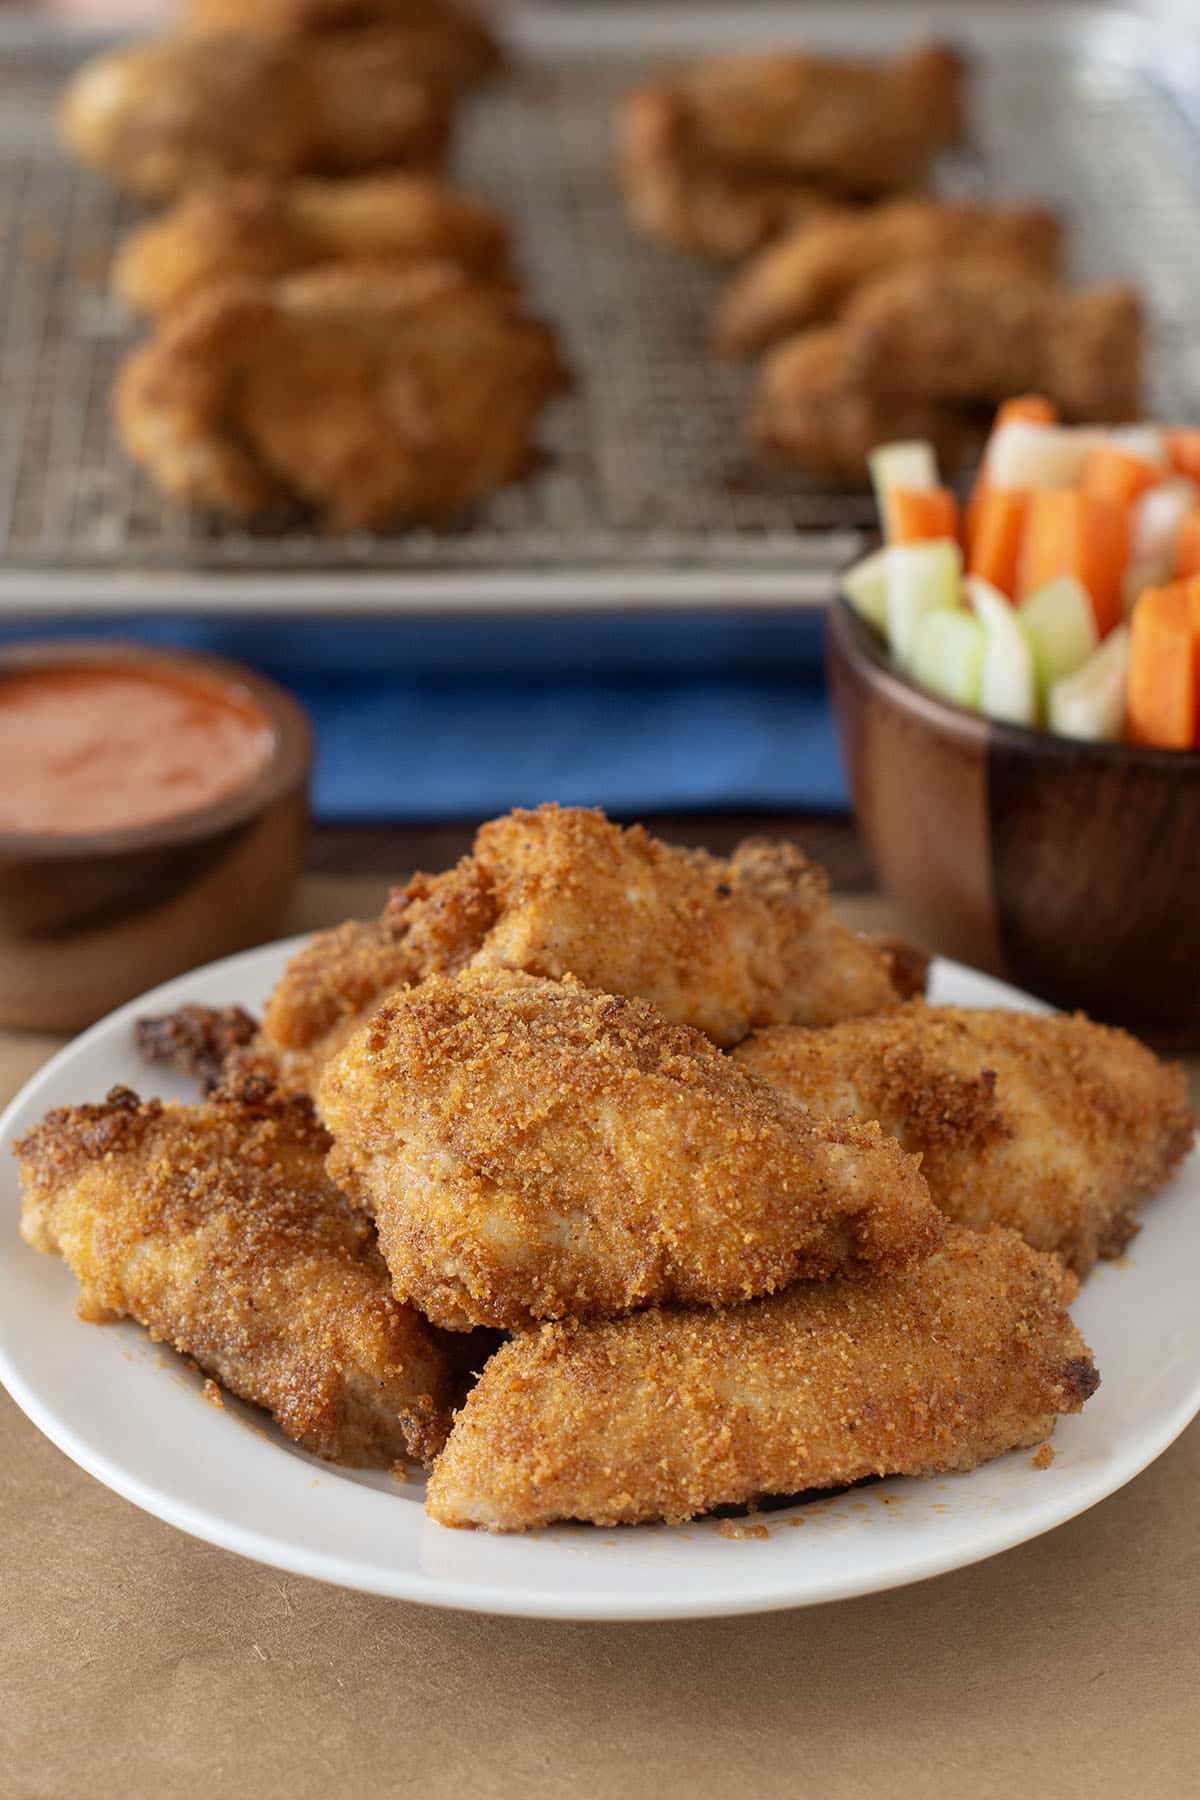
column 635, row 716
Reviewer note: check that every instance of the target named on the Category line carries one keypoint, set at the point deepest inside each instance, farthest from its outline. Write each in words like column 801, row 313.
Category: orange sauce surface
column 111, row 748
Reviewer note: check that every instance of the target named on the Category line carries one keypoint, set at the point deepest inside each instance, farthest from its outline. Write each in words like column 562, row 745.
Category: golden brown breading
column 433, row 925
column 445, row 44
column 217, row 1227
column 729, row 152
column 531, row 1149
column 667, row 1414
column 811, row 408
column 430, row 387
column 1054, row 1126
column 719, row 943
column 809, row 276
column 172, row 113
column 973, row 332
column 267, row 229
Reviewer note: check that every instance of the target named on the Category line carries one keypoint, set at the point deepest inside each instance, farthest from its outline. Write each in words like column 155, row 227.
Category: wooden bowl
column 1071, row 869
column 89, row 921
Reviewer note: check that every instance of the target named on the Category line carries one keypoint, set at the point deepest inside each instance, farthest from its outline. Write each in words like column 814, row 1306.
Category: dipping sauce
column 112, row 747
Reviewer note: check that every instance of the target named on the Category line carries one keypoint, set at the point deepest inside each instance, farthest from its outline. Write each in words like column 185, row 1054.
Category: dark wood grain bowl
column 1071, row 869
column 89, row 921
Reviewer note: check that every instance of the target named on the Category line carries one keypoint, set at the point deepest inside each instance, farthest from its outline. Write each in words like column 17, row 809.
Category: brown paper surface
column 138, row 1662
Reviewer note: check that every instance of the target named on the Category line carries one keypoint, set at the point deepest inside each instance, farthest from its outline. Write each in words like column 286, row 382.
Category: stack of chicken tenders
column 618, row 1182
column 336, row 327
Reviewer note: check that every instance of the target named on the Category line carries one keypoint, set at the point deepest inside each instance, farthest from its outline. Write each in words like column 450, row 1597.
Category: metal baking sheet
column 647, row 497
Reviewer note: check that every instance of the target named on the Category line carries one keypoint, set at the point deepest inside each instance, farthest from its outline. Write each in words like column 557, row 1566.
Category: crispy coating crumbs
column 665, row 1415
column 196, row 1041
column 1055, row 1126
column 1042, row 1459
column 532, row 1149
column 217, row 1228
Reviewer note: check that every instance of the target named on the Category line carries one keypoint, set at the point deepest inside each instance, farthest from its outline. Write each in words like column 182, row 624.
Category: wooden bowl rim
column 288, row 764
column 859, row 643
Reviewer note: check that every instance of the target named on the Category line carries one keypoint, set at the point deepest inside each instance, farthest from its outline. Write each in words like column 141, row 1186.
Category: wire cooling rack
column 647, row 493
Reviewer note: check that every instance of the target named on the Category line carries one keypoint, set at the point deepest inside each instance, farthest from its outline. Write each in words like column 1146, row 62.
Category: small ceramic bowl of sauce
column 153, row 812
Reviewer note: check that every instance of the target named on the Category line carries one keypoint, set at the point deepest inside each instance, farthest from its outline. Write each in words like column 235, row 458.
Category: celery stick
column 865, row 587
column 948, row 652
column 911, row 466
column 1156, row 521
column 1008, row 688
column 1061, row 627
column 920, row 579
column 1091, row 702
column 1025, row 455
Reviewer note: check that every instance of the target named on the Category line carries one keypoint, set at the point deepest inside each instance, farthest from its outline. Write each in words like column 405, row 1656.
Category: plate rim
column 770, row 1592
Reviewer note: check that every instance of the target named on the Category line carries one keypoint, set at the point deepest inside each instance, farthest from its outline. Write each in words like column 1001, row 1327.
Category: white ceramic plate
column 132, row 1415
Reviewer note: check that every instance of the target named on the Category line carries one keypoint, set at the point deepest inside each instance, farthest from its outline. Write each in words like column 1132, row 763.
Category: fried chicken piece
column 971, row 331
column 267, row 229
column 937, row 1367
column 727, row 153
column 720, row 944
column 810, row 407
column 173, row 113
column 1054, row 1126
column 216, row 1227
column 445, row 44
column 531, row 1149
column 809, row 276
column 196, row 1041
column 429, row 385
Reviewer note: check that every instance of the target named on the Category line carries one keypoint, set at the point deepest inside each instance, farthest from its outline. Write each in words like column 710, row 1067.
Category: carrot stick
column 1187, row 548
column 1115, row 474
column 1071, row 533
column 1161, row 697
column 1183, row 448
column 1032, row 409
column 997, row 538
column 917, row 515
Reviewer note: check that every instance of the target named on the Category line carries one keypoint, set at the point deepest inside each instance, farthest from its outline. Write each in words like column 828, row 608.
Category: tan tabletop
column 137, row 1662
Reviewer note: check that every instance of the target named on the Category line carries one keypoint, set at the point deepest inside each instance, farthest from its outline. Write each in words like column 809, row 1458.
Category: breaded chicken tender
column 216, row 1227
column 266, row 229
column 811, row 408
column 172, row 113
column 664, row 1415
column 722, row 156
column 971, row 331
column 809, row 276
column 444, row 43
column 430, row 386
column 1054, row 1126
column 723, row 944
column 532, row 1149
